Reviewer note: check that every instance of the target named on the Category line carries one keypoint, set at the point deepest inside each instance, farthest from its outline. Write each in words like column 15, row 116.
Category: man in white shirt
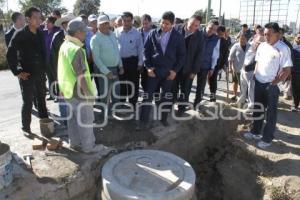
column 273, row 65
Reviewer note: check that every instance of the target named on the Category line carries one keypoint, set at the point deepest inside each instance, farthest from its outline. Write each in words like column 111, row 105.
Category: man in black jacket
column 18, row 22
column 145, row 29
column 194, row 46
column 224, row 52
column 26, row 58
column 58, row 39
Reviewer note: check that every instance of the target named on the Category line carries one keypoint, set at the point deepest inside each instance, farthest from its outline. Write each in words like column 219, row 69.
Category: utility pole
column 220, row 10
column 254, row 10
column 298, row 17
column 270, row 14
column 208, row 11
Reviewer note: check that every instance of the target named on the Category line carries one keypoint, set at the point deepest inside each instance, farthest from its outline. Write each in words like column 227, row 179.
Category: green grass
column 3, row 49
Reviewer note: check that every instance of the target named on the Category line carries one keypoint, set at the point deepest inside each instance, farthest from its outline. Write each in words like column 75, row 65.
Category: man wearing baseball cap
column 107, row 57
column 75, row 84
column 93, row 22
column 57, row 40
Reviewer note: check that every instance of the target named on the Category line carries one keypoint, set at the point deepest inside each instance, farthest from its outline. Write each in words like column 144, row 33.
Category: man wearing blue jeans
column 273, row 65
column 164, row 57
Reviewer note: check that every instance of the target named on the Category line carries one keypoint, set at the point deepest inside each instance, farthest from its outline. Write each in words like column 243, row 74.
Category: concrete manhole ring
column 148, row 174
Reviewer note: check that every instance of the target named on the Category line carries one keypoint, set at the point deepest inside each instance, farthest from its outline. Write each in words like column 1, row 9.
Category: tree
column 286, row 28
column 46, row 6
column 203, row 14
column 86, row 7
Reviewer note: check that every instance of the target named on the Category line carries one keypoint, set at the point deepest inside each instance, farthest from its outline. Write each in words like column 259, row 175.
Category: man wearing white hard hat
column 107, row 59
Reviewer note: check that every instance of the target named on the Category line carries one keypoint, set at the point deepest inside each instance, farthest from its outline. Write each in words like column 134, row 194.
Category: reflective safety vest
column 66, row 75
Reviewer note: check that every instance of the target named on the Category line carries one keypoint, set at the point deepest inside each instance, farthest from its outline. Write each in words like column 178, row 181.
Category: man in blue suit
column 164, row 56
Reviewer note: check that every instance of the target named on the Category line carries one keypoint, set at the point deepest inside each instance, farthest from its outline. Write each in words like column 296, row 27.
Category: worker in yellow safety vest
column 74, row 80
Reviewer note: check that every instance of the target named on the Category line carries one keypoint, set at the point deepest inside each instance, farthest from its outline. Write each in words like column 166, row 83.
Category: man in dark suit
column 18, row 23
column 164, row 55
column 145, row 29
column 194, row 46
column 223, row 57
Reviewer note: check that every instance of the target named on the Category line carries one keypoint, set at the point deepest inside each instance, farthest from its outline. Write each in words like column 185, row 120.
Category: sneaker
column 251, row 136
column 27, row 133
column 294, row 109
column 263, row 145
column 97, row 148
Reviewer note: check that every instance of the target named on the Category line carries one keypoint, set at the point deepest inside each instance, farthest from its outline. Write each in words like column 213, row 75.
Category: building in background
column 293, row 27
column 263, row 11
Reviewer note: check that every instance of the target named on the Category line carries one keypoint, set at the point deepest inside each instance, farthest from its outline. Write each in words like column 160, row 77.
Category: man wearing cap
column 107, row 58
column 93, row 23
column 273, row 65
column 131, row 50
column 57, row 41
column 118, row 22
column 75, row 84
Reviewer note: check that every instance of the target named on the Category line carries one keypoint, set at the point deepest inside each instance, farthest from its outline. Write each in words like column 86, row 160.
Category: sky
column 156, row 7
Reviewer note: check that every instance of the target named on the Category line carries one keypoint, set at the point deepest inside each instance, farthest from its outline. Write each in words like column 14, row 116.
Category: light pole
column 270, row 14
column 254, row 10
column 220, row 10
column 298, row 17
column 208, row 11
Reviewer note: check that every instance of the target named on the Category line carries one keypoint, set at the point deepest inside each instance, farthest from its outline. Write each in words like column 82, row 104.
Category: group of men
column 164, row 60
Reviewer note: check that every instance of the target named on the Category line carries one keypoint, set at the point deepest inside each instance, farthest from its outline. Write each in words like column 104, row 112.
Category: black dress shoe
column 165, row 123
column 212, row 97
column 50, row 98
column 233, row 98
column 28, row 134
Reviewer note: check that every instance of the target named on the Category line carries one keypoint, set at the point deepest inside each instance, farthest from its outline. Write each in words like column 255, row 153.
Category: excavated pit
column 223, row 169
